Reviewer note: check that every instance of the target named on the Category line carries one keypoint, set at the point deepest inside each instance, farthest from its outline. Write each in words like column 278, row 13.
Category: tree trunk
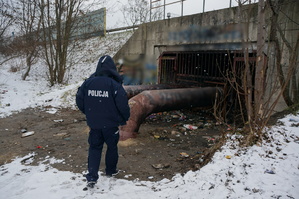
column 259, row 86
column 28, row 63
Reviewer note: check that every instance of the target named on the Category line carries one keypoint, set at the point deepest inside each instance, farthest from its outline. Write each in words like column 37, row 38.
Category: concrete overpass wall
column 226, row 29
column 214, row 29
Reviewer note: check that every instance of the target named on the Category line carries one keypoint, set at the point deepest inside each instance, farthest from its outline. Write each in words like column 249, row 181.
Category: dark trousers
column 96, row 140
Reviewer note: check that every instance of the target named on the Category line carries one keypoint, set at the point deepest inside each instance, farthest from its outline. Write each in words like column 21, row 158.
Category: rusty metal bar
column 196, row 67
column 155, row 101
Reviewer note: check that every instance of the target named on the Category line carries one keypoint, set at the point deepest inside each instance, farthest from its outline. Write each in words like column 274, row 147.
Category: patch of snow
column 244, row 175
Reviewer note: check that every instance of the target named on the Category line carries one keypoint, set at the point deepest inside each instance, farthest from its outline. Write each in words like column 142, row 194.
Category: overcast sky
column 115, row 17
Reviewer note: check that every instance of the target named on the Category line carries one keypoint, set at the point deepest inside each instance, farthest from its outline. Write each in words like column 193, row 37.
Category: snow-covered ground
column 267, row 171
column 270, row 170
column 16, row 94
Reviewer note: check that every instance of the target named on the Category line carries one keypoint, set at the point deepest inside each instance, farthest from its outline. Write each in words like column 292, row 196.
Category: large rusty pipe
column 155, row 101
column 133, row 90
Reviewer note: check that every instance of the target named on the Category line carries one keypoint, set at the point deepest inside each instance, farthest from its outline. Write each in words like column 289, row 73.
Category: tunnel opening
column 224, row 68
column 201, row 67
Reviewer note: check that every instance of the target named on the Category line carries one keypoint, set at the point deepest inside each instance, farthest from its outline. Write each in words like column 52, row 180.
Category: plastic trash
column 269, row 171
column 28, row 133
column 228, row 156
column 190, row 127
column 127, row 176
column 175, row 116
column 60, row 134
column 160, row 166
column 23, row 130
column 185, row 155
column 61, row 120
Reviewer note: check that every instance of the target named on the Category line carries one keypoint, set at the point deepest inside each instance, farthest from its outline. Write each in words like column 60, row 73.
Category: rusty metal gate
column 167, row 69
column 199, row 67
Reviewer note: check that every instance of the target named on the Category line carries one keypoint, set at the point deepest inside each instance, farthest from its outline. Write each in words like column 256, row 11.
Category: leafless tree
column 59, row 21
column 257, row 92
column 138, row 11
column 28, row 23
column 6, row 18
column 135, row 12
column 281, row 42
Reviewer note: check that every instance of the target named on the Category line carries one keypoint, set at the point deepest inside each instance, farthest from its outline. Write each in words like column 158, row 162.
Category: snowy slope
column 16, row 94
column 267, row 171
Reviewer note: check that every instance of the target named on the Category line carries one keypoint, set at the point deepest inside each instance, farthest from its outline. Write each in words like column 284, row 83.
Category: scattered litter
column 190, row 127
column 157, row 136
column 207, row 125
column 150, row 177
column 160, row 137
column 200, row 125
column 61, row 120
column 239, row 130
column 127, row 176
column 229, row 128
column 218, row 123
column 39, row 147
column 179, row 115
column 175, row 116
column 175, row 133
column 152, row 116
column 60, row 134
column 183, row 129
column 182, row 117
column 52, row 110
column 185, row 155
column 160, row 166
column 28, row 160
column 4, row 91
column 269, row 171
column 228, row 156
column 68, row 138
column 293, row 120
column 26, row 134
column 23, row 130
column 209, row 138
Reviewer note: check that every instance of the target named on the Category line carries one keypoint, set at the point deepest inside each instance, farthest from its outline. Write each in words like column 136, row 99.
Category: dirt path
column 161, row 143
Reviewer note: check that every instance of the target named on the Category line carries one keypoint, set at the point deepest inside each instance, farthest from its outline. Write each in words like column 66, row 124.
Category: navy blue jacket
column 102, row 98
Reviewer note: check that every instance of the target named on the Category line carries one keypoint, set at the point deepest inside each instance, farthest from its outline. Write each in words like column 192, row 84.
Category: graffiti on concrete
column 206, row 34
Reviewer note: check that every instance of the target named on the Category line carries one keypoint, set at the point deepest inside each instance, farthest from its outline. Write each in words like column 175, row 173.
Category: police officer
column 104, row 102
